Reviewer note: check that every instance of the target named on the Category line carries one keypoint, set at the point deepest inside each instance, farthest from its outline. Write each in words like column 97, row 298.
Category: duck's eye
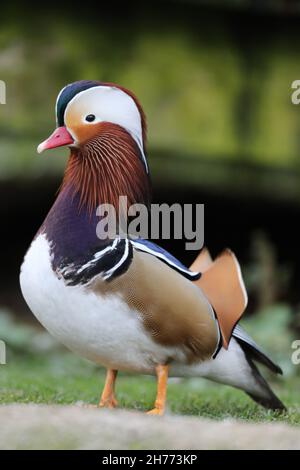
column 90, row 117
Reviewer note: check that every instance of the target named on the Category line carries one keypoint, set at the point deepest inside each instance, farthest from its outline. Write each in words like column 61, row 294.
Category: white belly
column 102, row 329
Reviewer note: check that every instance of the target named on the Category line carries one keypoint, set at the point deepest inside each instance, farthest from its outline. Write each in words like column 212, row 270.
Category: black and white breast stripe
column 114, row 259
column 110, row 262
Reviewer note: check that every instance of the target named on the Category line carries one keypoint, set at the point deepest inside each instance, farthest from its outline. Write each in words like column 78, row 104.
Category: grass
column 62, row 378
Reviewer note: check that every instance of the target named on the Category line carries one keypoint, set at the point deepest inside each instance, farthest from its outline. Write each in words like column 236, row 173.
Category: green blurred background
column 215, row 81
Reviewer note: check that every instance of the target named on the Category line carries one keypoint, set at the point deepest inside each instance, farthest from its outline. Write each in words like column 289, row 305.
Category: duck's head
column 84, row 110
column 105, row 127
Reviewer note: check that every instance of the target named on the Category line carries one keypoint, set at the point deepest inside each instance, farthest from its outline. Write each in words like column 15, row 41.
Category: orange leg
column 108, row 399
column 162, row 380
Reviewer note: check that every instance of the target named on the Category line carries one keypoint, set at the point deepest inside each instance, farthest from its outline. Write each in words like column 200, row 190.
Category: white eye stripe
column 141, row 148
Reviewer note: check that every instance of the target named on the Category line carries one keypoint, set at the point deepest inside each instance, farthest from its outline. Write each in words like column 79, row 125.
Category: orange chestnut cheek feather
column 85, row 132
column 81, row 131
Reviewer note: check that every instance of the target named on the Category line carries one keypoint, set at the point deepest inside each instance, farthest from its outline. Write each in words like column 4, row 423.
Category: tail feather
column 253, row 351
column 203, row 261
column 270, row 403
column 268, row 399
column 222, row 283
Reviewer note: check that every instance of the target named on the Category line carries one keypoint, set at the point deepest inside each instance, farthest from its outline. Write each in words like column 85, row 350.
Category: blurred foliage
column 23, row 339
column 206, row 95
column 267, row 280
column 285, row 6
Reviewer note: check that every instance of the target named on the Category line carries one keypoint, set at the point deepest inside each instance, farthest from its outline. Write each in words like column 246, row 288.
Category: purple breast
column 71, row 230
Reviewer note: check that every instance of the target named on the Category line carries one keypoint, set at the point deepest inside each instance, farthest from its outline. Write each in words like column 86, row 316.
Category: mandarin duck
column 125, row 303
